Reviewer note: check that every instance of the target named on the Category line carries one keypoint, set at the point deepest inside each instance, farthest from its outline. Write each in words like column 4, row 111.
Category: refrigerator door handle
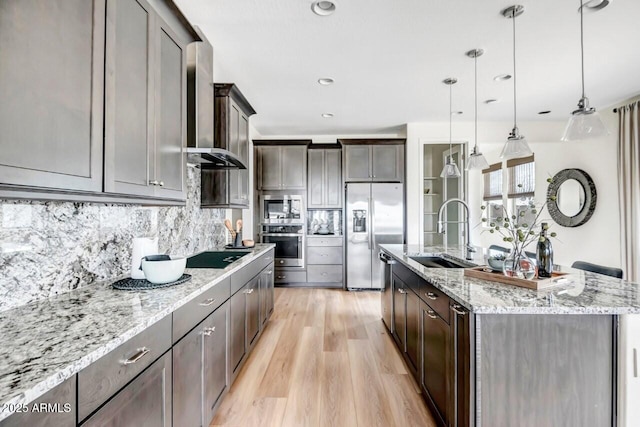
column 369, row 224
column 372, row 204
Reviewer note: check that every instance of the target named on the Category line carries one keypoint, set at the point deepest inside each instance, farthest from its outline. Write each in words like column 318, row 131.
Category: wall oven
column 289, row 241
column 281, row 209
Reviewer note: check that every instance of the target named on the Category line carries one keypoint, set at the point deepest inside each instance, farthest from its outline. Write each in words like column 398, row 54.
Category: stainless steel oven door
column 289, row 248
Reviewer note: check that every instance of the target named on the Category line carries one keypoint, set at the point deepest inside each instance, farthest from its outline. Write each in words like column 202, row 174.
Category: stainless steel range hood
column 214, row 158
column 200, row 110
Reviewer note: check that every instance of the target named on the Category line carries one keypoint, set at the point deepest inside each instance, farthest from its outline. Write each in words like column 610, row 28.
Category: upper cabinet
column 229, row 188
column 324, row 183
column 51, row 81
column 105, row 119
column 282, row 167
column 145, row 103
column 373, row 160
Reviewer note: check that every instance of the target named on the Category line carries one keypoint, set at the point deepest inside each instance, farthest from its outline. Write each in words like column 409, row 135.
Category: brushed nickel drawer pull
column 432, row 296
column 282, row 277
column 161, row 183
column 208, row 331
column 154, row 182
column 402, row 291
column 248, row 291
column 208, row 302
column 143, row 351
column 269, row 272
column 432, row 314
column 456, row 309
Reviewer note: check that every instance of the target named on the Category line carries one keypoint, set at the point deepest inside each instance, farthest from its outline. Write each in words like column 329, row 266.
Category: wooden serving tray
column 485, row 273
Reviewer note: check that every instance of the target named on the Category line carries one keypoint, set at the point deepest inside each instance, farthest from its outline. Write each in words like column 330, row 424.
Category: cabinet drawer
column 290, row 276
column 324, row 255
column 103, row 378
column 192, row 313
column 324, row 241
column 324, row 273
column 248, row 272
column 436, row 299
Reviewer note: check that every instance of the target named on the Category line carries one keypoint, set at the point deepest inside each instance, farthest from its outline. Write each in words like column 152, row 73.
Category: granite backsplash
column 48, row 248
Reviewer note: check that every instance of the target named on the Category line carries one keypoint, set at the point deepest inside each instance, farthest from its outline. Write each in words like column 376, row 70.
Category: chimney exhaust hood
column 201, row 150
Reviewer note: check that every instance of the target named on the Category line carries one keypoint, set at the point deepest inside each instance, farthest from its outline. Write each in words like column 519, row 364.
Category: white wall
column 247, row 214
column 596, row 241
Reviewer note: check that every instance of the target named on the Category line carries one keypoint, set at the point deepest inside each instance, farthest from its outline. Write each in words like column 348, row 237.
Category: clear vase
column 519, row 265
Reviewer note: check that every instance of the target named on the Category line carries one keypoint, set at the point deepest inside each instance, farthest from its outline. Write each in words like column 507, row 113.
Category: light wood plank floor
column 324, row 359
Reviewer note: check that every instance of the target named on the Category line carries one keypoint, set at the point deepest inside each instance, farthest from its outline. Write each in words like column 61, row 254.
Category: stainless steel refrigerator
column 374, row 216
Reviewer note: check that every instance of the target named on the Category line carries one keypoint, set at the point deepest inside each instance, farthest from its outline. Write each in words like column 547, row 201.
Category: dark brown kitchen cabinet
column 63, row 396
column 373, row 160
column 145, row 103
column 282, row 167
column 413, row 330
column 145, row 402
column 237, row 329
column 400, row 313
column 324, row 183
column 266, row 293
column 436, row 359
column 252, row 295
column 229, row 188
column 199, row 370
column 52, row 74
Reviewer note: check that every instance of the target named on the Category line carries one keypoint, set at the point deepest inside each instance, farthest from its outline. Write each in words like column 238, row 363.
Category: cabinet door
column 129, row 98
column 253, row 310
column 145, row 402
column 214, row 374
column 269, row 278
column 333, row 179
column 63, row 395
column 294, row 167
column 270, row 166
column 264, row 290
column 170, row 114
column 237, row 328
column 233, row 144
column 187, row 379
column 51, row 85
column 243, row 153
column 316, row 179
column 387, row 163
column 413, row 329
column 399, row 312
column 357, row 163
column 435, row 359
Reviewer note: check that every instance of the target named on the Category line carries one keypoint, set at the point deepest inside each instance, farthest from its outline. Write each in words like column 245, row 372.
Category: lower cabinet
column 237, row 328
column 413, row 330
column 199, row 370
column 252, row 298
column 145, row 402
column 400, row 313
column 434, row 378
column 266, row 294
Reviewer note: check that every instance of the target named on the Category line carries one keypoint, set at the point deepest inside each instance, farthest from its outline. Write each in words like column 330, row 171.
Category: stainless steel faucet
column 469, row 249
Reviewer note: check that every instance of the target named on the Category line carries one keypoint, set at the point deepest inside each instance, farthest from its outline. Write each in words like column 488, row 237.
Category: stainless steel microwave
column 281, row 209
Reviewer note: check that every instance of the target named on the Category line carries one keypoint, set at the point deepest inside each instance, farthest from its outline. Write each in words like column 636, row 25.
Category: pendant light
column 450, row 169
column 476, row 159
column 585, row 122
column 516, row 145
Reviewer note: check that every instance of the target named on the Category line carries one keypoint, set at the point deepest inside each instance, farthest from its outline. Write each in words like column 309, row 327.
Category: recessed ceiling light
column 327, row 115
column 502, row 77
column 325, row 81
column 323, row 7
column 491, row 101
column 544, row 112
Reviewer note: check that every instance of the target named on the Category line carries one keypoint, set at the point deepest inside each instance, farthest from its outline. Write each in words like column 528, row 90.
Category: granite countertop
column 582, row 293
column 46, row 342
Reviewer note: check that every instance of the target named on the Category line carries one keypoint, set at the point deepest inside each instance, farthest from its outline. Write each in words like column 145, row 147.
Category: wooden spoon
column 227, row 223
column 238, row 225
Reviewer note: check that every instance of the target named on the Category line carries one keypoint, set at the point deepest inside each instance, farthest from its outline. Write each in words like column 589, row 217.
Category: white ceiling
column 389, row 57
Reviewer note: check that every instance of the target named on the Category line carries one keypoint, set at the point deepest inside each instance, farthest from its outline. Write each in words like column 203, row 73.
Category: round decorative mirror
column 571, row 197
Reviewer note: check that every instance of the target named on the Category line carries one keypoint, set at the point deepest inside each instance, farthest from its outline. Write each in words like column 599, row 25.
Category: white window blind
column 522, row 177
column 493, row 182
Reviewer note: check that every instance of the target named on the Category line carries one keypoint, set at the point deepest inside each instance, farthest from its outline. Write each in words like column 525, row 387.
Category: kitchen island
column 491, row 354
column 111, row 337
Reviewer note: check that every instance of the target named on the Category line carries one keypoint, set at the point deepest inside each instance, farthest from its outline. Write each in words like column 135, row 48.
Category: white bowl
column 164, row 271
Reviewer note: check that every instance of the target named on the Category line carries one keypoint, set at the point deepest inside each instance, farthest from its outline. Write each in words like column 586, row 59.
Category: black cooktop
column 214, row 259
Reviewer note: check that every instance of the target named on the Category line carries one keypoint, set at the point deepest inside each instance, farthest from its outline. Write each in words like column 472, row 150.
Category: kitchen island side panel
column 535, row 370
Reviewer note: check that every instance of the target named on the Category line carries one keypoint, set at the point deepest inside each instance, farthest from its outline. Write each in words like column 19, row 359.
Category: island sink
column 440, row 261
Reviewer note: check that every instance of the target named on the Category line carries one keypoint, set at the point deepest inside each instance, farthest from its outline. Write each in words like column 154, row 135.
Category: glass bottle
column 544, row 253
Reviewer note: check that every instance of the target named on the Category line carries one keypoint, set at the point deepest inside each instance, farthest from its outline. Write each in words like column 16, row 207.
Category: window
column 522, row 185
column 493, row 191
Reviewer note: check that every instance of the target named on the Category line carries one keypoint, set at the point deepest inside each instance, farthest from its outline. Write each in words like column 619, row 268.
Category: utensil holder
column 237, row 243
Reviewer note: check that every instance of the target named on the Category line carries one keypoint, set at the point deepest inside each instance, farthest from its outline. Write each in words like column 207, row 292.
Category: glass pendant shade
column 476, row 160
column 450, row 169
column 515, row 147
column 584, row 123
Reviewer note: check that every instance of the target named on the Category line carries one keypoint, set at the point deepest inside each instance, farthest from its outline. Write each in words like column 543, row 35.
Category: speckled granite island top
column 583, row 293
column 44, row 343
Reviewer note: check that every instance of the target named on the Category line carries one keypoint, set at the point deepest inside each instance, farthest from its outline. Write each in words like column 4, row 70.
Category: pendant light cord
column 475, row 111
column 450, row 120
column 582, row 45
column 515, row 114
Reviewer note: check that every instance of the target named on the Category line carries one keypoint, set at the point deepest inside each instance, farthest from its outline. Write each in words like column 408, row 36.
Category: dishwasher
column 387, row 289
